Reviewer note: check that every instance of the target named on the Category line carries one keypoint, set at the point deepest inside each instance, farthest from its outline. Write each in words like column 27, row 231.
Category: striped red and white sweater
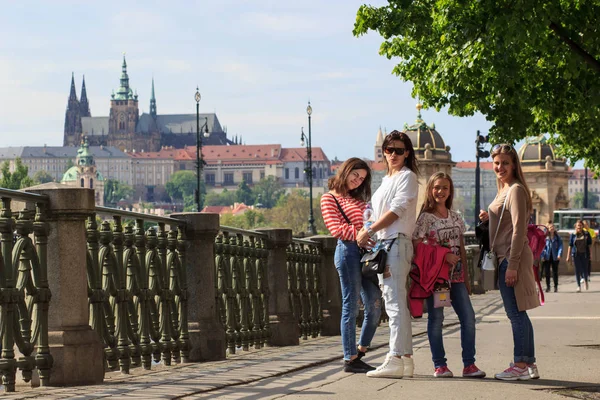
column 335, row 221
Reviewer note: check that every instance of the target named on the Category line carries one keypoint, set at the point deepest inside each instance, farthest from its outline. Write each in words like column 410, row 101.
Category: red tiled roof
column 165, row 153
column 238, row 153
column 299, row 154
column 580, row 174
column 378, row 166
column 217, row 209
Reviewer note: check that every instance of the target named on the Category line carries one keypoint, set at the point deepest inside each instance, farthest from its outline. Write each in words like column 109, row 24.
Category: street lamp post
column 311, row 220
column 199, row 160
column 479, row 153
column 585, row 188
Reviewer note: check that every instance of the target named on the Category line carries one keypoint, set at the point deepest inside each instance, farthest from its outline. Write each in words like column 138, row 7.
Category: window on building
column 228, row 178
column 297, row 173
column 287, row 173
column 247, row 176
column 91, row 183
column 210, row 179
column 262, row 174
column 182, row 166
column 82, row 182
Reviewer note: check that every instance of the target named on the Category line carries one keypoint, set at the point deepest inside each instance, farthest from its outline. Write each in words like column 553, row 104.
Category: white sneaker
column 409, row 367
column 392, row 367
column 514, row 373
column 533, row 370
column 578, row 289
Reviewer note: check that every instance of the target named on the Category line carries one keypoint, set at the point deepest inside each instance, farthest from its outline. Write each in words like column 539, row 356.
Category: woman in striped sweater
column 342, row 208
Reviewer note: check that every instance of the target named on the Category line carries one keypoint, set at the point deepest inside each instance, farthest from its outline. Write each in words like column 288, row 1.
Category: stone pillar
column 283, row 325
column 207, row 334
column 77, row 350
column 332, row 293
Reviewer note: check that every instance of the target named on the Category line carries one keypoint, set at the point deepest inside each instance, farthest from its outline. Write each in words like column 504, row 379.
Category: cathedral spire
column 153, row 102
column 84, row 105
column 124, row 92
column 73, row 94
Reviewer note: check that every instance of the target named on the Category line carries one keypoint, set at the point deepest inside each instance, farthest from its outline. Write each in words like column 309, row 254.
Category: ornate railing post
column 75, row 347
column 283, row 325
column 330, row 282
column 207, row 335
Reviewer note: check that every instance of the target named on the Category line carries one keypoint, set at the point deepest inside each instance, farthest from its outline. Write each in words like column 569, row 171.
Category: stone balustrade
column 131, row 290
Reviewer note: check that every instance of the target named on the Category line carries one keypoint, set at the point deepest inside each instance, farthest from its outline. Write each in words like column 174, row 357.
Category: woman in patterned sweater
column 342, row 208
column 439, row 224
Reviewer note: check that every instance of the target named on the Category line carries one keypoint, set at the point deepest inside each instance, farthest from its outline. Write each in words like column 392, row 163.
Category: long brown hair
column 518, row 172
column 429, row 203
column 338, row 181
column 411, row 160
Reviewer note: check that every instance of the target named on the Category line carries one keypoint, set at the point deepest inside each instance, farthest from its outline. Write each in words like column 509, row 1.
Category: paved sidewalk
column 313, row 369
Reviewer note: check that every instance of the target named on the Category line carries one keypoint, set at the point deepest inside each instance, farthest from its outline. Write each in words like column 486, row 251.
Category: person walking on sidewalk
column 579, row 244
column 395, row 213
column 551, row 256
column 342, row 209
column 508, row 216
column 586, row 226
column 440, row 224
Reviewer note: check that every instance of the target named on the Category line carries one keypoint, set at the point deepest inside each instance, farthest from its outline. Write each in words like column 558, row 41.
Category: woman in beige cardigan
column 515, row 259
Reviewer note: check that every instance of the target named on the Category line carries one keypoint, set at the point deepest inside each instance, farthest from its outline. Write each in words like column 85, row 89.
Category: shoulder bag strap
column 500, row 220
column 340, row 208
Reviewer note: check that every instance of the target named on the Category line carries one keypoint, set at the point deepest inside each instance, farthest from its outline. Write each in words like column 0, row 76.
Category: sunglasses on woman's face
column 399, row 151
column 502, row 147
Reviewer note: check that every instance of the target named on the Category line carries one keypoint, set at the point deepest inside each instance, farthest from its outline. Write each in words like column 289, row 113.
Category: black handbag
column 373, row 262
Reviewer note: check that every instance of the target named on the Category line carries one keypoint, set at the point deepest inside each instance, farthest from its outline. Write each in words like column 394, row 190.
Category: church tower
column 73, row 129
column 84, row 105
column 153, row 103
column 378, row 155
column 124, row 114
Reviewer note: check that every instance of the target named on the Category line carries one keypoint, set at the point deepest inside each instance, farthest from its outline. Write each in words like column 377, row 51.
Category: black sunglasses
column 396, row 150
column 502, row 147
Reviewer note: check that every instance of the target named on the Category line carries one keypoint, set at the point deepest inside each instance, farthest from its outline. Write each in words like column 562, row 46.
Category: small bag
column 373, row 262
column 490, row 260
column 441, row 295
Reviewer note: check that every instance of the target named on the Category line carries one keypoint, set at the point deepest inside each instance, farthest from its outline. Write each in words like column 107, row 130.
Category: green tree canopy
column 577, row 200
column 244, row 194
column 15, row 180
column 225, row 198
column 115, row 190
column 268, row 191
column 182, row 184
column 42, row 177
column 531, row 67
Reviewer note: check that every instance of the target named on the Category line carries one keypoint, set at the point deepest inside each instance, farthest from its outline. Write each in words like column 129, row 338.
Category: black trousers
column 554, row 264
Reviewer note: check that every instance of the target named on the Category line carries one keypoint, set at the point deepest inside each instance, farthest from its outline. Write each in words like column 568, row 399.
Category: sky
column 256, row 63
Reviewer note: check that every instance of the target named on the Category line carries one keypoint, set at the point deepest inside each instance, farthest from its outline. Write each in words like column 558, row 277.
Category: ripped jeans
column 347, row 263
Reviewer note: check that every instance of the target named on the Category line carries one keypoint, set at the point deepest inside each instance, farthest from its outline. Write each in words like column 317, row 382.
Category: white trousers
column 395, row 292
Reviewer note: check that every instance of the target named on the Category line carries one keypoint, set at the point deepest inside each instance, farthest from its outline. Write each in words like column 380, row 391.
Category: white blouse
column 398, row 193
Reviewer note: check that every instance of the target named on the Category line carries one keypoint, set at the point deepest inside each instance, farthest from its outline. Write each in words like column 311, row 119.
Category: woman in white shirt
column 395, row 212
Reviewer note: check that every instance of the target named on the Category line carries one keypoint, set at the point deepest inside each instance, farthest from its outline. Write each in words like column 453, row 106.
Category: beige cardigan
column 512, row 242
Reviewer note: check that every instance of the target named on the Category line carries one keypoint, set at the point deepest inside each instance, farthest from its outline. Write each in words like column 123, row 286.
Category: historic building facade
column 127, row 130
column 85, row 174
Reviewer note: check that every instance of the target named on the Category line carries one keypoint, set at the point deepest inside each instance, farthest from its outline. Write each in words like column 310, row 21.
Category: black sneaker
column 555, row 289
column 357, row 366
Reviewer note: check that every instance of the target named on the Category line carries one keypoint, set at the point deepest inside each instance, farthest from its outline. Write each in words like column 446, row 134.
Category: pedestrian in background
column 551, row 256
column 579, row 244
column 395, row 213
column 441, row 225
column 509, row 213
column 342, row 209
column 592, row 233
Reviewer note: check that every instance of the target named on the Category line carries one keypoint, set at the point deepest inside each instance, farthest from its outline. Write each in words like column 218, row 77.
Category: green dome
column 70, row 175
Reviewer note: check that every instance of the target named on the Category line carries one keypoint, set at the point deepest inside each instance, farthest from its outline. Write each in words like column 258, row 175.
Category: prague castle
column 127, row 130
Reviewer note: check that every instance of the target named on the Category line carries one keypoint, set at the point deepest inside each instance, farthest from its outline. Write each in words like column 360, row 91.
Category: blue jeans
column 581, row 267
column 347, row 263
column 435, row 318
column 524, row 347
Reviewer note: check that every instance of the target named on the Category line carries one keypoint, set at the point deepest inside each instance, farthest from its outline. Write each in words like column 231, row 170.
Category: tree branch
column 588, row 58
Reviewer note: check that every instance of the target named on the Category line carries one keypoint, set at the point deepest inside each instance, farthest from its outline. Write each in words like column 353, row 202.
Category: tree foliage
column 182, row 184
column 42, row 177
column 225, row 198
column 115, row 190
column 268, row 191
column 577, row 200
column 531, row 67
column 16, row 180
column 244, row 194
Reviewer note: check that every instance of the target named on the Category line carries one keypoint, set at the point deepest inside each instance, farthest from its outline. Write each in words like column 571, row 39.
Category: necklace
column 439, row 214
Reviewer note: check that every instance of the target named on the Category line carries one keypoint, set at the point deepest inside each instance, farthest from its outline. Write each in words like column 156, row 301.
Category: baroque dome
column 422, row 134
column 538, row 151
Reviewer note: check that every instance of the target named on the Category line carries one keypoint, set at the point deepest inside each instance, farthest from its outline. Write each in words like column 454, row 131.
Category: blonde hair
column 518, row 172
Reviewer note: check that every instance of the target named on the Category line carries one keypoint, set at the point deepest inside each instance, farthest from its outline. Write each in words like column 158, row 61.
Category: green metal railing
column 242, row 287
column 305, row 288
column 137, row 289
column 24, row 291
